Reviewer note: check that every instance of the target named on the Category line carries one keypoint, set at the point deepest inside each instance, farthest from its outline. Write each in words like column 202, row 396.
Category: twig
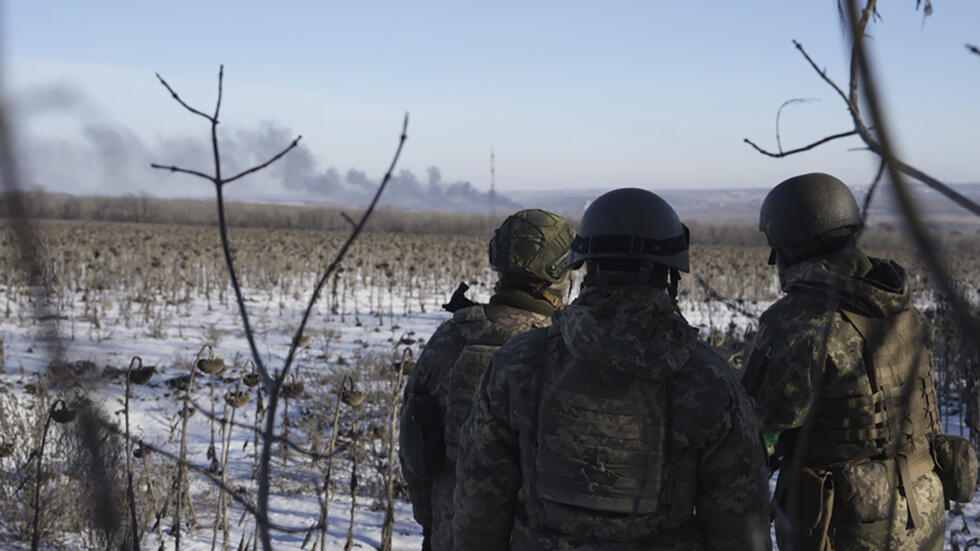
column 173, row 168
column 349, row 220
column 274, row 394
column 275, row 158
column 207, row 474
column 180, row 101
column 973, row 48
column 936, row 264
column 801, row 149
column 851, row 100
column 779, row 142
column 35, row 535
column 822, row 73
column 130, row 494
column 222, row 226
column 716, row 296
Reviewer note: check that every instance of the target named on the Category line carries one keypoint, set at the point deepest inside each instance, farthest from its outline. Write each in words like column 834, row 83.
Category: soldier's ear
column 772, row 257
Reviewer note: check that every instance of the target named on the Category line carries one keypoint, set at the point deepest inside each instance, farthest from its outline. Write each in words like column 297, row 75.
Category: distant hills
column 718, row 205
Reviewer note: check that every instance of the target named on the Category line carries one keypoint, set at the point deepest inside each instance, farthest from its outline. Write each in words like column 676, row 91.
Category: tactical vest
column 601, row 443
column 898, row 368
column 485, row 329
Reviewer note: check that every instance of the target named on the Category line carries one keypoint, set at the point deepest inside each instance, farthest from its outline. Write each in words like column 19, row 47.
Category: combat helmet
column 532, row 243
column 635, row 224
column 806, row 213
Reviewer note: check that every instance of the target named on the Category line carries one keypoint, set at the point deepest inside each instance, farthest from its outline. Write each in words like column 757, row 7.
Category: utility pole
column 493, row 188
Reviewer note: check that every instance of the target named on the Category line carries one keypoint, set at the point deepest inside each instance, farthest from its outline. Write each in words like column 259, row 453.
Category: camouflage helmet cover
column 807, row 207
column 534, row 243
column 632, row 223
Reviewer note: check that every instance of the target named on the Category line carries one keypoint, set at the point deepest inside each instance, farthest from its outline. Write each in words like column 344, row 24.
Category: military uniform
column 449, row 369
column 854, row 418
column 868, row 449
column 613, row 429
column 530, row 252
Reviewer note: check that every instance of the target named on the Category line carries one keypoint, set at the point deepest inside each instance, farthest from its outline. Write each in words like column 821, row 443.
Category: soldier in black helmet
column 529, row 252
column 867, row 479
column 614, row 428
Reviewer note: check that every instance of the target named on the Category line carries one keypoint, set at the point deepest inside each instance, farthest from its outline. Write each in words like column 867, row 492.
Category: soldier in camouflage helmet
column 614, row 428
column 866, row 480
column 529, row 252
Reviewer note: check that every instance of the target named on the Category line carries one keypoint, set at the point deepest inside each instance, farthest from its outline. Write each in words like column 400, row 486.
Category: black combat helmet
column 632, row 224
column 804, row 212
column 532, row 243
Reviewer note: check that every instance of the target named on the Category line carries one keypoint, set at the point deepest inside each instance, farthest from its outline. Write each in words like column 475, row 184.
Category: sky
column 567, row 94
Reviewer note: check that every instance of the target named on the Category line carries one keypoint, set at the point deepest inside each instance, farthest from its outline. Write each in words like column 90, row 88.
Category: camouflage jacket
column 714, row 492
column 781, row 363
column 432, row 499
column 783, row 373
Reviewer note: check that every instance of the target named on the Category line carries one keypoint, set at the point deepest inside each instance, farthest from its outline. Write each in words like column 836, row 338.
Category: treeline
column 886, row 234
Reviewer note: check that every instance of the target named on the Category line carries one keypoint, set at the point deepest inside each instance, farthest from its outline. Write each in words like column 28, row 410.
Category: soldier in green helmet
column 614, row 427
column 529, row 252
column 867, row 475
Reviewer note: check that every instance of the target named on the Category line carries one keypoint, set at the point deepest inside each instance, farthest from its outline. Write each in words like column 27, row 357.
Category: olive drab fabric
column 485, row 329
column 532, row 243
column 876, row 410
column 612, row 429
column 448, row 371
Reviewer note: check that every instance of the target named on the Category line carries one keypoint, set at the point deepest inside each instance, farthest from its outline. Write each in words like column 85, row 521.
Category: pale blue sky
column 570, row 94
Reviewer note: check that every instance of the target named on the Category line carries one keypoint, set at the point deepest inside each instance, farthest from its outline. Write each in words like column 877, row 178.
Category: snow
column 368, row 323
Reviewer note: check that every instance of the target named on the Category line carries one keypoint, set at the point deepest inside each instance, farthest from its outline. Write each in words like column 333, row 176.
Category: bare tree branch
column 973, row 48
column 264, row 461
column 180, row 101
column 934, row 261
column 203, row 471
column 349, row 220
column 822, row 72
column 801, row 149
column 779, row 142
column 265, row 164
column 852, row 102
column 718, row 297
column 173, row 168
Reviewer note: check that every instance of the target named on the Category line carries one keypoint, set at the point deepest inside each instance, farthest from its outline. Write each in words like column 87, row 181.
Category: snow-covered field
column 368, row 326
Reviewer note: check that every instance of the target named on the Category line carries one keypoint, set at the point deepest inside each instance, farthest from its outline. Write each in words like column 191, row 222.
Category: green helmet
column 632, row 223
column 807, row 208
column 532, row 243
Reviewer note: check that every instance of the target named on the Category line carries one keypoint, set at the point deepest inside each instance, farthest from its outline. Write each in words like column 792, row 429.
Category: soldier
column 614, row 428
column 529, row 251
column 866, row 479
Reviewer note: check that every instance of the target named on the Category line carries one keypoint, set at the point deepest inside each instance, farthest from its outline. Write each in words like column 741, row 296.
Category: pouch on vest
column 814, row 510
column 957, row 466
column 864, row 492
column 464, row 377
column 421, row 438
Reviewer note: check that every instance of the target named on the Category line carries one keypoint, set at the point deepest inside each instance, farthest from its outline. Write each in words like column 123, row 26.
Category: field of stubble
column 114, row 292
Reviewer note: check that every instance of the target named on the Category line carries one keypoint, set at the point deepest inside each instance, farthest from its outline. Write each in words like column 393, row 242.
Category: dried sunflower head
column 352, row 398
column 237, row 398
column 141, row 375
column 252, row 379
column 61, row 414
column 292, row 390
column 211, row 366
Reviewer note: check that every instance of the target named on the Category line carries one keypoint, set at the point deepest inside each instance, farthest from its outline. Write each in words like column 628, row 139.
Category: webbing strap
column 907, row 480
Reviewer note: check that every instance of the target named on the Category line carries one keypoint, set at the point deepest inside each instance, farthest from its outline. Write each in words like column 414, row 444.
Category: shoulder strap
column 865, row 327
